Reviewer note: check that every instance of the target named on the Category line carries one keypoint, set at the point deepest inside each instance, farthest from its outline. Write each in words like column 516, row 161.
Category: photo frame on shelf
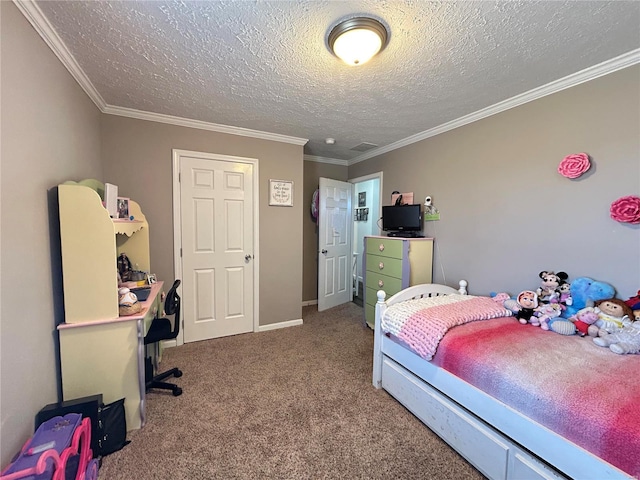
column 362, row 199
column 281, row 193
column 123, row 207
column 151, row 278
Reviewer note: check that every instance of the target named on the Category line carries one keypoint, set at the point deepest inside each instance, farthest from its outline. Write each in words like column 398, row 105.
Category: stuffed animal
column 500, row 297
column 565, row 294
column 505, row 300
column 548, row 289
column 626, row 340
column 612, row 314
column 512, row 305
column 527, row 303
column 583, row 319
column 128, row 302
column 634, row 302
column 546, row 312
column 584, row 292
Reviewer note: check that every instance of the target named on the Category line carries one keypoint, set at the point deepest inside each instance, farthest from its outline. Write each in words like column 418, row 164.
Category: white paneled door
column 335, row 251
column 216, row 212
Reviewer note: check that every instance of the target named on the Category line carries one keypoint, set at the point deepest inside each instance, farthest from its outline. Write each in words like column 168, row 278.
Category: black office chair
column 161, row 330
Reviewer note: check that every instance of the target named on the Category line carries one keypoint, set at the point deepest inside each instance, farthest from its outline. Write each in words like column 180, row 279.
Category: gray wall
column 50, row 133
column 506, row 214
column 137, row 156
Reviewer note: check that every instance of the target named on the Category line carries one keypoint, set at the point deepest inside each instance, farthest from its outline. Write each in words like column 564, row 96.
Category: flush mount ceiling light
column 357, row 40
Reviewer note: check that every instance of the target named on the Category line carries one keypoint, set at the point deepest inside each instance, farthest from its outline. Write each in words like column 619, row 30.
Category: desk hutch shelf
column 91, row 241
column 100, row 351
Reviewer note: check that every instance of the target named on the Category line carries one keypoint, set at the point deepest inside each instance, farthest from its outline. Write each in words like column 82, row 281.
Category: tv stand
column 405, row 234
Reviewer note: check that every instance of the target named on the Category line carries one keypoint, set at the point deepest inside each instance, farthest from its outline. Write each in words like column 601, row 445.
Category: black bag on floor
column 108, row 422
column 112, row 427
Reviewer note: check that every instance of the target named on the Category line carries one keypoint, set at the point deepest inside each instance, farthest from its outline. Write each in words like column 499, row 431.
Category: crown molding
column 333, row 161
column 618, row 63
column 213, row 127
column 37, row 19
column 40, row 23
column 34, row 15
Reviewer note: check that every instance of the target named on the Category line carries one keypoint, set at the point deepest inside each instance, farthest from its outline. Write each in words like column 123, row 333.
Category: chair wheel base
column 178, row 374
column 177, row 392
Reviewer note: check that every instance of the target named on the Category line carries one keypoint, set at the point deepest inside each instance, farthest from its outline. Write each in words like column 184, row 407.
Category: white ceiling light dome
column 357, row 40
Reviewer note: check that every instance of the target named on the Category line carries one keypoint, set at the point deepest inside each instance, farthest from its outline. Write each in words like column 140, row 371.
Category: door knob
column 324, row 251
column 247, row 257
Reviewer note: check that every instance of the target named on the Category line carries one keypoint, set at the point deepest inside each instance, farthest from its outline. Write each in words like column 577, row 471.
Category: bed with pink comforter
column 585, row 393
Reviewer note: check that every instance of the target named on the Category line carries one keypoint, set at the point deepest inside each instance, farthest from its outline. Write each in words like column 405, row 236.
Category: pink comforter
column 586, row 393
column 421, row 323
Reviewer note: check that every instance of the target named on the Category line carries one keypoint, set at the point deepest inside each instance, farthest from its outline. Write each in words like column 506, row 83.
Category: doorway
column 215, row 220
column 368, row 210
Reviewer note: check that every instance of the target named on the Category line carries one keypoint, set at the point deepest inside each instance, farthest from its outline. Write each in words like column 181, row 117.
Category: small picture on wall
column 362, row 199
column 123, row 207
column 281, row 193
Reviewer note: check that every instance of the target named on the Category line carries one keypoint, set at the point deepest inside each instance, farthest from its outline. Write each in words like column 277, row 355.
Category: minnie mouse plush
column 548, row 290
column 565, row 294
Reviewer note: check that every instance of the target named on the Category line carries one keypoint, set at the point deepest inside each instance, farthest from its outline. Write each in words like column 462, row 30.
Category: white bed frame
column 498, row 440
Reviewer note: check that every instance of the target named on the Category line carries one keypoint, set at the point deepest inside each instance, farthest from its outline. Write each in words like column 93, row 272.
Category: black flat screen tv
column 401, row 218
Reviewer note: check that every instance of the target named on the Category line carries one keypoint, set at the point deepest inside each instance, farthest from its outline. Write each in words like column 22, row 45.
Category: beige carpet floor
column 293, row 403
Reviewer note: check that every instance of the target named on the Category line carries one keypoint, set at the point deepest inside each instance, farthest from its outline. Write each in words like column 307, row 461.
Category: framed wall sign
column 281, row 193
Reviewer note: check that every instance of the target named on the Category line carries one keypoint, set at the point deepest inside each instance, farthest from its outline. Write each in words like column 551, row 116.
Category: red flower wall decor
column 572, row 166
column 626, row 210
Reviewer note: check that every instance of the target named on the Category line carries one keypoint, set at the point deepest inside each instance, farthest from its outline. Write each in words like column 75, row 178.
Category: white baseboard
column 275, row 326
column 307, row 303
column 262, row 328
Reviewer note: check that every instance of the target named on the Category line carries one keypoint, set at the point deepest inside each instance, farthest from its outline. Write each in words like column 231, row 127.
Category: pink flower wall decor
column 626, row 210
column 572, row 166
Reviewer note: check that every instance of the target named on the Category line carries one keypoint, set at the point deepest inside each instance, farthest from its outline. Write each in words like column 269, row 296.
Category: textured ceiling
column 264, row 65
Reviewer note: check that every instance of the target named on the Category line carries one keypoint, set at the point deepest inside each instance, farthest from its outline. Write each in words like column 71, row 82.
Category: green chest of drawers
column 392, row 264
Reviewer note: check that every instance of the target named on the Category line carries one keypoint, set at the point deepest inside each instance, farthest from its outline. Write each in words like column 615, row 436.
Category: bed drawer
column 524, row 465
column 377, row 281
column 479, row 444
column 384, row 265
column 386, row 247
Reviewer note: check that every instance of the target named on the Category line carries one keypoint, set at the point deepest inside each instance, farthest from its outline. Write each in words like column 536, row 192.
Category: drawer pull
column 380, row 283
column 381, row 247
column 381, row 265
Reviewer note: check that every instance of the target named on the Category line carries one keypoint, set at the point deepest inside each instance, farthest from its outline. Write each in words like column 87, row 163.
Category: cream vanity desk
column 393, row 264
column 100, row 351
